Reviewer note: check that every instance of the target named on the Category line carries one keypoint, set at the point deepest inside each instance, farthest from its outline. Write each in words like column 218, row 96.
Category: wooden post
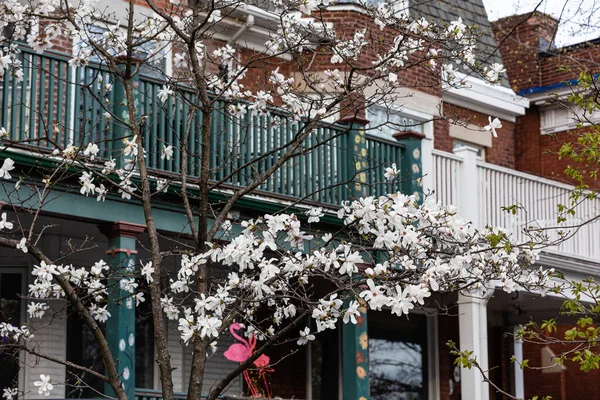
column 120, row 327
column 357, row 156
column 355, row 358
column 411, row 166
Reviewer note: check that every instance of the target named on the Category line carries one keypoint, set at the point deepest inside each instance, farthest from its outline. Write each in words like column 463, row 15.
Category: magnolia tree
column 390, row 252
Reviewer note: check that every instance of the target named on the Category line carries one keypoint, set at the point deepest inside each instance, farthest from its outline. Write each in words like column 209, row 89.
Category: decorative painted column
column 472, row 327
column 355, row 358
column 356, row 147
column 411, row 165
column 120, row 327
column 355, row 338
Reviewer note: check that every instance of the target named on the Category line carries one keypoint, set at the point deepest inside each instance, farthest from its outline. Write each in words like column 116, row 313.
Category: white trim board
column 477, row 95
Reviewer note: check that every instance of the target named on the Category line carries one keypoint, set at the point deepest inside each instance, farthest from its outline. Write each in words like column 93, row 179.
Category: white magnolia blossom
column 164, row 94
column 91, row 150
column 87, row 186
column 4, row 224
column 147, row 272
column 109, row 166
column 7, row 166
column 99, row 313
column 9, row 393
column 167, row 152
column 44, row 385
column 131, row 147
column 305, row 336
column 101, row 192
column 314, row 214
column 215, row 16
column 22, row 245
column 494, row 72
column 391, row 172
column 36, row 310
column 9, row 332
column 126, row 187
column 493, row 125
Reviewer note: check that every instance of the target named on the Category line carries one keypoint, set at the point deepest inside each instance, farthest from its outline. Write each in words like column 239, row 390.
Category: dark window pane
column 82, row 349
column 144, row 345
column 397, row 357
column 10, row 311
column 324, row 366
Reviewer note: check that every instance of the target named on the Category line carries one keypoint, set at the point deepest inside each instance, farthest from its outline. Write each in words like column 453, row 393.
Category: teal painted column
column 355, row 358
column 120, row 327
column 355, row 338
column 356, row 165
column 411, row 164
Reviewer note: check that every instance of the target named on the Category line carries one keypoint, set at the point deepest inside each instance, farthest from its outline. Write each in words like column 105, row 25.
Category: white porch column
column 472, row 319
column 427, row 166
column 472, row 327
column 468, row 206
column 519, row 376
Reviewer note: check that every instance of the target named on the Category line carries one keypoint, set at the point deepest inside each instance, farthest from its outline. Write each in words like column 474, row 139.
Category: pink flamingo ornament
column 240, row 352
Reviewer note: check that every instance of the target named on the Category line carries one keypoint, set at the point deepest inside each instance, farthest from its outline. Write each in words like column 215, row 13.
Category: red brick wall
column 568, row 63
column 579, row 385
column 441, row 133
column 527, row 67
column 518, row 37
column 537, row 154
column 347, row 22
column 528, row 142
column 502, row 151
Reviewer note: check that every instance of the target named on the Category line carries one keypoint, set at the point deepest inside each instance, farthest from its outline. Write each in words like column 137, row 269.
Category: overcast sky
column 581, row 18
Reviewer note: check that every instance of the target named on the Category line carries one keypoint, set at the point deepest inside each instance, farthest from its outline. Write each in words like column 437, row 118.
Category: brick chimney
column 522, row 38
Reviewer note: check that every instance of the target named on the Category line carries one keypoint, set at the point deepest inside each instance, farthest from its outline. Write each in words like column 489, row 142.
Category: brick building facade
column 448, row 120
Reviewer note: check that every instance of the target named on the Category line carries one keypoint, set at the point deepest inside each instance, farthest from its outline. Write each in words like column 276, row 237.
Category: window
column 323, row 363
column 384, row 122
column 82, row 349
column 314, row 101
column 11, row 287
column 480, row 149
column 154, row 67
column 556, row 119
column 398, row 357
column 144, row 345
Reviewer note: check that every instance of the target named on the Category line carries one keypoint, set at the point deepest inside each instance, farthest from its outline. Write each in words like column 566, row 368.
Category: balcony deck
column 536, row 200
column 57, row 104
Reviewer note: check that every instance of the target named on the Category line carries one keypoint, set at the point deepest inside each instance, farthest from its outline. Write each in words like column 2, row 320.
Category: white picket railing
column 446, row 177
column 536, row 199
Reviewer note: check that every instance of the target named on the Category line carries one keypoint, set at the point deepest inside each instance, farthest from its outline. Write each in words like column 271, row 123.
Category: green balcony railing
column 381, row 154
column 56, row 103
